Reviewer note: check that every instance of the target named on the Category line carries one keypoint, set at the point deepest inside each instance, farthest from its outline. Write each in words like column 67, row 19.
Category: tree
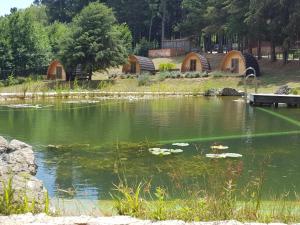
column 63, row 10
column 5, row 50
column 95, row 43
column 28, row 41
column 57, row 33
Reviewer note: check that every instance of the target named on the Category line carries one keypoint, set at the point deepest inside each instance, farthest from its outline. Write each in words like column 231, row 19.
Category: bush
column 167, row 66
column 144, row 80
column 194, row 75
column 144, row 46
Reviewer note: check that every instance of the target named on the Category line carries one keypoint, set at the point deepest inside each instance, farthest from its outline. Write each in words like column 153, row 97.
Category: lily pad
column 224, row 156
column 181, row 144
column 219, row 147
column 176, row 151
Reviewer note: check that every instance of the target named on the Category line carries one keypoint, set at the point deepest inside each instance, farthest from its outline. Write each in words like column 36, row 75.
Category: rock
column 283, row 90
column 3, row 145
column 17, row 163
column 16, row 145
column 212, row 92
column 230, row 92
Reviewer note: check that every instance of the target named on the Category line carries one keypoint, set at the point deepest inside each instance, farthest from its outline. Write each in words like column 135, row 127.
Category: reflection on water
column 82, row 149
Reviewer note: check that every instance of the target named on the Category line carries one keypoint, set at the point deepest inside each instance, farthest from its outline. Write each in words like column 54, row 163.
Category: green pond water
column 94, row 144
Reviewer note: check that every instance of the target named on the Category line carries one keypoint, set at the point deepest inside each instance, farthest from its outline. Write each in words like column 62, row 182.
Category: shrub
column 167, row 66
column 11, row 80
column 144, row 46
column 162, row 76
column 144, row 80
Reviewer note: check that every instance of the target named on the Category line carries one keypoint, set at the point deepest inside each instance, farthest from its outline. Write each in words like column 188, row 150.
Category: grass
column 274, row 76
column 225, row 201
column 16, row 203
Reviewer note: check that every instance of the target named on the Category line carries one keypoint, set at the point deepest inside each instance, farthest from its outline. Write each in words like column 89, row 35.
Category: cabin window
column 235, row 67
column 58, row 72
column 133, row 67
column 193, row 65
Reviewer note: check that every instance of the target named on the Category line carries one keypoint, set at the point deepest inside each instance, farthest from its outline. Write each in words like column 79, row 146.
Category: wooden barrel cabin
column 237, row 62
column 56, row 71
column 138, row 65
column 195, row 62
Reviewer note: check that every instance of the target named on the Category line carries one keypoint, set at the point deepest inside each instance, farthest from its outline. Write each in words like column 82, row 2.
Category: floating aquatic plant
column 224, row 155
column 82, row 102
column 26, row 106
column 219, row 147
column 181, row 144
column 164, row 152
column 176, row 150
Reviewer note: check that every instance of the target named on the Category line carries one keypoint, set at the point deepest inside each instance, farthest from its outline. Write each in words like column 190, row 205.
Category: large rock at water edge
column 230, row 92
column 17, row 163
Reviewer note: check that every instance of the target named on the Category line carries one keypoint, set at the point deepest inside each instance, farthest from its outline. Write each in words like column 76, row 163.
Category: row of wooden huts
column 233, row 62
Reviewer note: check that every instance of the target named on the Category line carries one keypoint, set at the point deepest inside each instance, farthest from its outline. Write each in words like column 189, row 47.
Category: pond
column 85, row 147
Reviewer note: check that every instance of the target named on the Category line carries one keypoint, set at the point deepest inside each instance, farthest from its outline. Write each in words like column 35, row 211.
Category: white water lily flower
column 219, row 147
column 181, row 144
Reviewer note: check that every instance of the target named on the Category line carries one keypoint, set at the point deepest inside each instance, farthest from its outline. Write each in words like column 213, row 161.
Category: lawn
column 273, row 76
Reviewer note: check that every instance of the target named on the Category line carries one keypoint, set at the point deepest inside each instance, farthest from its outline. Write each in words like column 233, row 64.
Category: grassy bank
column 274, row 76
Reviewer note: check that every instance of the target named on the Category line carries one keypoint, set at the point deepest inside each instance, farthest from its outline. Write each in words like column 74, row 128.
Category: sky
column 6, row 5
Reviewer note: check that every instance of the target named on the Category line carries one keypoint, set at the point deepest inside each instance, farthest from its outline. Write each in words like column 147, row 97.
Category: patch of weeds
column 144, row 80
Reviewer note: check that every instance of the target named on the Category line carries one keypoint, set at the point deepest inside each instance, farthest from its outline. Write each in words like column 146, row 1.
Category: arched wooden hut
column 56, row 71
column 138, row 65
column 237, row 62
column 195, row 62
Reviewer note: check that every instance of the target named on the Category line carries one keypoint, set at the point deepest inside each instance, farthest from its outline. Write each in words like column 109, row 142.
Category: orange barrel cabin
column 56, row 71
column 138, row 65
column 237, row 62
column 195, row 62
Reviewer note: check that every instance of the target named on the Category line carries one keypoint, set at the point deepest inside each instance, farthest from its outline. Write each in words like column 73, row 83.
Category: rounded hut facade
column 138, row 65
column 56, row 71
column 195, row 62
column 237, row 62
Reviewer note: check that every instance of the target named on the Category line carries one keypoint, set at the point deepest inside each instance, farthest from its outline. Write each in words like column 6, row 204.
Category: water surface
column 99, row 142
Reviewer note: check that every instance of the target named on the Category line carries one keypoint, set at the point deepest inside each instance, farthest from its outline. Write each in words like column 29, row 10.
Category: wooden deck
column 273, row 99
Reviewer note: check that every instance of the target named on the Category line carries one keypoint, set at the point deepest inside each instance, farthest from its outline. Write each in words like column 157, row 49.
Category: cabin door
column 59, row 72
column 235, row 65
column 133, row 67
column 193, row 65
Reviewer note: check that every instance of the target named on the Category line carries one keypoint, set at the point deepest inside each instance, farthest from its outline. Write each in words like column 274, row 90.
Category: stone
column 230, row 92
column 3, row 145
column 16, row 145
column 212, row 92
column 283, row 90
column 17, row 163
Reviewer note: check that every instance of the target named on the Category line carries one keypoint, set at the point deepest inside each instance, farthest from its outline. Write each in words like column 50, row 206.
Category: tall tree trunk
column 163, row 21
column 259, row 57
column 285, row 56
column 150, row 28
column 273, row 51
column 220, row 42
column 250, row 46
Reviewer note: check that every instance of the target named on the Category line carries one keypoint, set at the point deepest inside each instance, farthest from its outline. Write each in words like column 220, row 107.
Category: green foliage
column 58, row 33
column 144, row 46
column 125, row 36
column 128, row 200
column 94, row 41
column 144, row 80
column 167, row 66
column 11, row 203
